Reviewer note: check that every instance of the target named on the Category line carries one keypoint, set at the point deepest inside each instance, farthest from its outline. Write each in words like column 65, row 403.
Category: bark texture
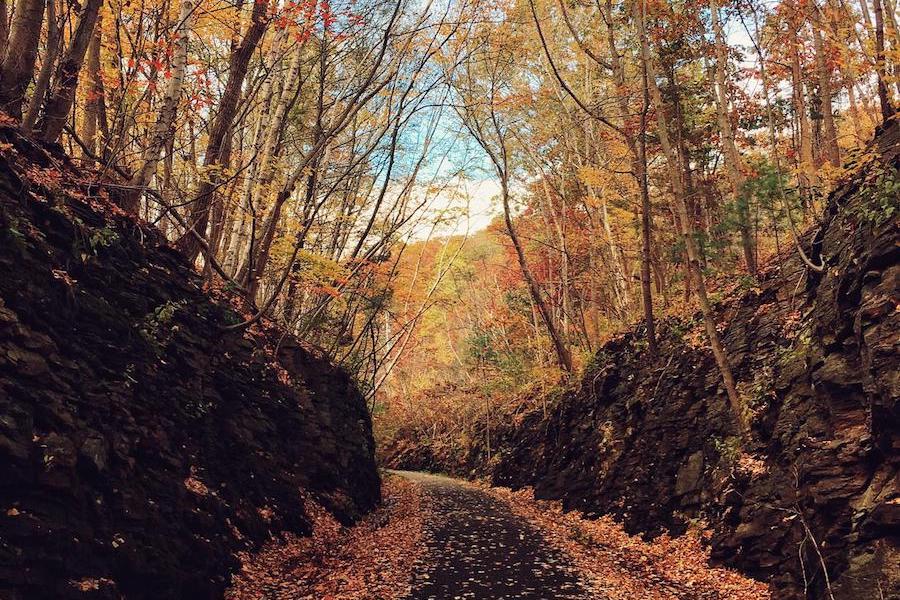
column 21, row 55
column 685, row 221
column 164, row 130
column 62, row 95
column 214, row 155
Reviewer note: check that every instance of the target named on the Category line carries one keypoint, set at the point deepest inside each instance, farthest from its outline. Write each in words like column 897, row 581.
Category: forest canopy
column 319, row 157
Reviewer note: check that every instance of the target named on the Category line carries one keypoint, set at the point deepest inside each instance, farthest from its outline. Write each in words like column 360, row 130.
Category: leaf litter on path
column 625, row 567
column 373, row 560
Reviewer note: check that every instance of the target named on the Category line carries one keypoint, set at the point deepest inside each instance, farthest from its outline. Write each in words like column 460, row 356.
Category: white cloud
column 458, row 207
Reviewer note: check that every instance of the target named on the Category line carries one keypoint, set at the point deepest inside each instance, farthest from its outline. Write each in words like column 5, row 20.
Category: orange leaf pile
column 373, row 560
column 624, row 567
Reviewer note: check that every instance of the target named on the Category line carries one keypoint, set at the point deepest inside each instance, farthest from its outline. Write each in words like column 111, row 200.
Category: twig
column 815, row 544
column 659, row 381
column 158, row 197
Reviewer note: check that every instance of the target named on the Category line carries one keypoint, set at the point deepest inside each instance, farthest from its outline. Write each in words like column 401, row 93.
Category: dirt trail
column 478, row 549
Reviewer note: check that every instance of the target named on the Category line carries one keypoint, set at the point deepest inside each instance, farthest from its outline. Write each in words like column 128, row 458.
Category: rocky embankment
column 811, row 502
column 142, row 445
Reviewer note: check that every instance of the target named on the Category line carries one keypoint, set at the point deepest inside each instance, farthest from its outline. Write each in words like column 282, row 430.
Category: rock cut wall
column 812, row 501
column 141, row 444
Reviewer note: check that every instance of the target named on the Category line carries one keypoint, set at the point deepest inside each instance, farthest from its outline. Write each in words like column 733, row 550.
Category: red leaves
column 313, row 14
column 328, row 18
column 329, row 290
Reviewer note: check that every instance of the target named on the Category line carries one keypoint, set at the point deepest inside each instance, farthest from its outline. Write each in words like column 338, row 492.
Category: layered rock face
column 812, row 501
column 142, row 443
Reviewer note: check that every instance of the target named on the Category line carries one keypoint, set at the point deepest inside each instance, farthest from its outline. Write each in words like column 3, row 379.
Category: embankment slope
column 141, row 443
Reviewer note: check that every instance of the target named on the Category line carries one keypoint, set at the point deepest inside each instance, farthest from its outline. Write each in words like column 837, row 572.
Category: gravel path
column 478, row 549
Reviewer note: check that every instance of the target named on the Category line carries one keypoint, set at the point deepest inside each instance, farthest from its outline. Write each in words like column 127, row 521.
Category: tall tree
column 164, row 129
column 214, row 157
column 685, row 220
column 54, row 40
column 481, row 90
column 95, row 103
column 830, row 149
column 733, row 161
column 806, row 165
column 21, row 54
column 62, row 94
column 636, row 144
column 884, row 94
column 4, row 28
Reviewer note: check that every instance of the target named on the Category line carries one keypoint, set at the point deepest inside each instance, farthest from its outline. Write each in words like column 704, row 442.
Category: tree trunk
column 21, row 54
column 237, row 71
column 895, row 41
column 808, row 178
column 638, row 153
column 864, row 10
column 255, row 145
column 257, row 266
column 217, row 211
column 619, row 278
column 830, row 149
column 4, row 29
column 275, row 132
column 58, row 104
column 92, row 105
column 884, row 95
column 164, row 129
column 646, row 223
column 43, row 78
column 733, row 161
column 562, row 352
column 557, row 222
column 253, row 270
column 687, row 232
